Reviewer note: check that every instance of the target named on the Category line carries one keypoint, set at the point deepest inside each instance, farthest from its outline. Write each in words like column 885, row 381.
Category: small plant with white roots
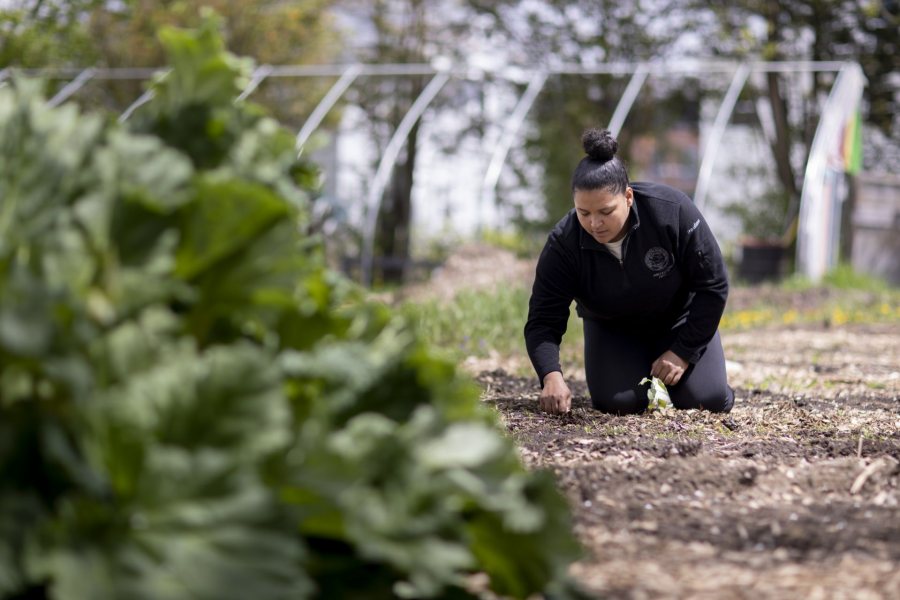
column 657, row 394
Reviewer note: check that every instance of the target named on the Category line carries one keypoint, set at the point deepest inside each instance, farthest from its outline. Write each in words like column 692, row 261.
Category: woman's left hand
column 668, row 368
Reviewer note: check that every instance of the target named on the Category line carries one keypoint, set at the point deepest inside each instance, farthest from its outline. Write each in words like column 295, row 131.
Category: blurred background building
column 513, row 83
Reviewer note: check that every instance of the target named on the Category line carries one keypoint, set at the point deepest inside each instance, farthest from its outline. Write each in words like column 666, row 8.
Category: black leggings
column 616, row 361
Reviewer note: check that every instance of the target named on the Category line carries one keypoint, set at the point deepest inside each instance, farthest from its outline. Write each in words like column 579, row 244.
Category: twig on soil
column 868, row 472
column 730, row 446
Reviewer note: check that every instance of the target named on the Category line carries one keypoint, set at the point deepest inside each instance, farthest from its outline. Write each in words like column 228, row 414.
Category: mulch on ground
column 794, row 494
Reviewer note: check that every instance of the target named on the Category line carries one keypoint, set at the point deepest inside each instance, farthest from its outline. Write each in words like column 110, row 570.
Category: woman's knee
column 718, row 399
column 721, row 402
column 626, row 402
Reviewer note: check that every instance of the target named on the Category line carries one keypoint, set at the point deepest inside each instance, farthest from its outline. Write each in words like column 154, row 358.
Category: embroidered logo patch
column 658, row 260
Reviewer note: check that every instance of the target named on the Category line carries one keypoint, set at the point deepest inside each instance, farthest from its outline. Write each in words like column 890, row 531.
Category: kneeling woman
column 649, row 282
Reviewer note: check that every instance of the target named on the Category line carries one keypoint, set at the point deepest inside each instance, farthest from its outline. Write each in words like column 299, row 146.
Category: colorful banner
column 836, row 150
column 852, row 146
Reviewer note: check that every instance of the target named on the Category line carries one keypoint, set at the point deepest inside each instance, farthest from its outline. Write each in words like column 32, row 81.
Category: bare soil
column 794, row 494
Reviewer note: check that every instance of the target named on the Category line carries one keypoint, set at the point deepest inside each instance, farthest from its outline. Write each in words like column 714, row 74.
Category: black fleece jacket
column 671, row 280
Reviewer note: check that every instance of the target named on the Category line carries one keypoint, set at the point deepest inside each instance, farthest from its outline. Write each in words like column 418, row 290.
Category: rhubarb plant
column 192, row 405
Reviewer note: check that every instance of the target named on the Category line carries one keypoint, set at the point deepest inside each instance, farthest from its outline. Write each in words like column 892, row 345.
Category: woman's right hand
column 556, row 398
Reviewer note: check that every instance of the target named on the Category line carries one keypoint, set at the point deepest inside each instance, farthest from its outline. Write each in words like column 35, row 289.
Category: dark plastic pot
column 761, row 261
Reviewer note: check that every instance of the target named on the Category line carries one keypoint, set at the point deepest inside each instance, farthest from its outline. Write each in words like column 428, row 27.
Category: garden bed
column 796, row 493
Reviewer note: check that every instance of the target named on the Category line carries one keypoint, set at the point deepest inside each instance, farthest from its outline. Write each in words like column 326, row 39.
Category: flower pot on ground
column 764, row 219
column 761, row 259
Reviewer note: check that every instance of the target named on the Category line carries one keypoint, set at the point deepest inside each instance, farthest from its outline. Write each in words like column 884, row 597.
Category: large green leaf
column 225, row 218
column 519, row 561
column 227, row 397
column 44, row 168
column 202, row 72
column 193, row 108
column 185, row 513
column 146, row 171
column 466, row 445
column 206, row 531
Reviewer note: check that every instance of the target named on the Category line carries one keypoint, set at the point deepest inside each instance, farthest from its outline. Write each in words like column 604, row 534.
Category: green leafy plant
column 657, row 394
column 192, row 405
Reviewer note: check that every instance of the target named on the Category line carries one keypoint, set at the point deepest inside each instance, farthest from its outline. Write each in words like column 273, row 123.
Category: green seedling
column 657, row 394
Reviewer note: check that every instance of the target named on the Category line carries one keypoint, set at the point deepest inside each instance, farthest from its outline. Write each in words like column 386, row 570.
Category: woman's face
column 604, row 214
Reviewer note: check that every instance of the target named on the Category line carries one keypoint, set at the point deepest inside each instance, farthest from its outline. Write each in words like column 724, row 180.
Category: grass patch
column 474, row 323
column 479, row 323
column 844, row 277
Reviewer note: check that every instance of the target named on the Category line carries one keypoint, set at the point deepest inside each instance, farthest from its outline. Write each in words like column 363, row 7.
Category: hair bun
column 599, row 144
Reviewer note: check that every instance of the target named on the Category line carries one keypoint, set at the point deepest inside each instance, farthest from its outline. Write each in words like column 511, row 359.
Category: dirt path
column 795, row 494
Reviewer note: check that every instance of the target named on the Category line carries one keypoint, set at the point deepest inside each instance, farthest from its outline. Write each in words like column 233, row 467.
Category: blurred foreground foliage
column 193, row 406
